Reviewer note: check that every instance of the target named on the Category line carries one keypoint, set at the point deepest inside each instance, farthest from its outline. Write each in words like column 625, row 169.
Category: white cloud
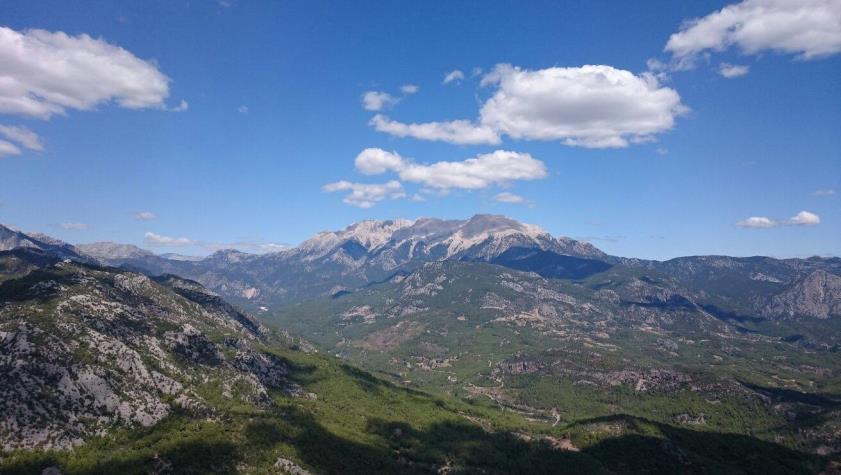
column 804, row 218
column 153, row 239
column 462, row 132
column 45, row 73
column 145, row 216
column 506, row 197
column 732, row 70
column 23, row 136
column 366, row 195
column 181, row 107
column 826, row 192
column 8, row 148
column 757, row 222
column 247, row 246
column 593, row 106
column 373, row 161
column 242, row 109
column 158, row 240
column 72, row 226
column 375, row 100
column 482, row 171
column 409, row 89
column 453, row 76
column 807, row 28
column 589, row 106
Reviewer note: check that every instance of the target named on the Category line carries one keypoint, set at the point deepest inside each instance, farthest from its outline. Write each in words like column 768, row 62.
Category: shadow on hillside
column 396, row 447
column 806, row 410
column 793, row 396
column 680, row 450
column 184, row 457
column 370, row 383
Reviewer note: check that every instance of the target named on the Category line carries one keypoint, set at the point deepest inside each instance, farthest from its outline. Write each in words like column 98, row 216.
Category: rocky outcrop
column 85, row 349
column 817, row 295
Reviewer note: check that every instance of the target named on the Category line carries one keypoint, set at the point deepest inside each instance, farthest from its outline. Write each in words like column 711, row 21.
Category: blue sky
column 274, row 112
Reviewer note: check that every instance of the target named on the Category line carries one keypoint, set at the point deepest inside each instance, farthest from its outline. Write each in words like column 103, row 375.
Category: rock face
column 84, row 349
column 816, row 295
column 12, row 239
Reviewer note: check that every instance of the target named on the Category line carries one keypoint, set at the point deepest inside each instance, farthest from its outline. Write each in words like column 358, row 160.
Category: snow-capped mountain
column 364, row 252
column 481, row 237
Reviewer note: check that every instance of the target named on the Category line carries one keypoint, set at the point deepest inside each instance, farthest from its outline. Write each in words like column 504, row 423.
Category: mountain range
column 521, row 332
column 373, row 251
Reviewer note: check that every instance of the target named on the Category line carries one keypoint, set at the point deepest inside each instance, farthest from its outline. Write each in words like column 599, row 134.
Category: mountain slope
column 85, row 349
column 11, row 239
column 560, row 350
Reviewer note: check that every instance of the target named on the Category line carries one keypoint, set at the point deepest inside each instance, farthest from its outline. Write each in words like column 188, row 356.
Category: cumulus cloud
column 461, row 132
column 72, row 226
column 22, row 136
column 803, row 218
column 153, row 239
column 145, row 216
column 732, row 70
column 242, row 109
column 373, row 161
column 506, row 197
column 588, row 106
column 453, row 76
column 806, row 28
column 366, row 195
column 825, row 192
column 376, row 100
column 45, row 73
column 482, row 171
column 757, row 222
column 593, row 106
column 409, row 89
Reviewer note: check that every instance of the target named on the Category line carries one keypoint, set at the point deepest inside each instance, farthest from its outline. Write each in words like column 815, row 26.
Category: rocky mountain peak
column 230, row 256
column 10, row 239
column 113, row 250
column 13, row 239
